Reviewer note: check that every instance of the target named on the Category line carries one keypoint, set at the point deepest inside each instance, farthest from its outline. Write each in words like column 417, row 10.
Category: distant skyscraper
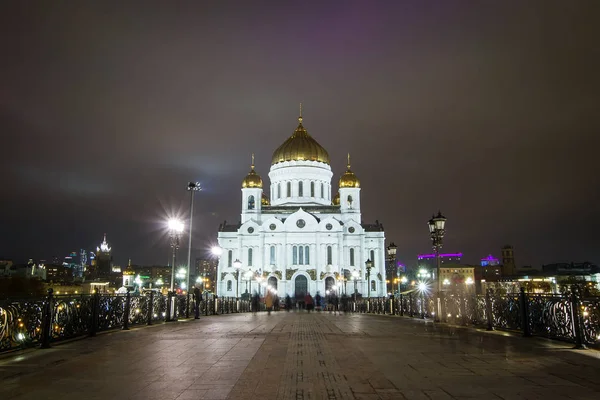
column 102, row 262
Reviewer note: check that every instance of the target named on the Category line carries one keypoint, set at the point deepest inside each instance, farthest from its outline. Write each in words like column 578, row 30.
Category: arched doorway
column 301, row 286
column 329, row 282
column 272, row 282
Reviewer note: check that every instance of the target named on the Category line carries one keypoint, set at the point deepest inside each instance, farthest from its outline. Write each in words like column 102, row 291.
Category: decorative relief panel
column 312, row 273
column 289, row 273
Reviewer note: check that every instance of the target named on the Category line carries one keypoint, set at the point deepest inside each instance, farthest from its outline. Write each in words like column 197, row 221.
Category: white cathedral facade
column 295, row 237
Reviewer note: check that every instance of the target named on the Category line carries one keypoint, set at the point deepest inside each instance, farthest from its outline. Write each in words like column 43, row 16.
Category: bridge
column 300, row 355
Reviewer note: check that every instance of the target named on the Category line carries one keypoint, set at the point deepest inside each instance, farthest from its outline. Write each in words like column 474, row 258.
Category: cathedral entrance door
column 272, row 282
column 329, row 282
column 301, row 287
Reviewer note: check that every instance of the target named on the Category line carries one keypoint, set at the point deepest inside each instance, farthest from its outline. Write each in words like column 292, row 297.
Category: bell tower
column 251, row 195
column 350, row 195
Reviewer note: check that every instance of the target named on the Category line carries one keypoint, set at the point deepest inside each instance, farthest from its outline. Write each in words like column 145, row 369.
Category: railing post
column 168, row 317
column 524, row 313
column 126, row 311
column 206, row 304
column 444, row 307
column 187, row 305
column 47, row 321
column 95, row 313
column 150, row 307
column 576, row 318
column 401, row 306
column 489, row 310
column 463, row 309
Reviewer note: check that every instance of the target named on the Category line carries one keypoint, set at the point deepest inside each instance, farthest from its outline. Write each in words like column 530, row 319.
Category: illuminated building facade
column 297, row 238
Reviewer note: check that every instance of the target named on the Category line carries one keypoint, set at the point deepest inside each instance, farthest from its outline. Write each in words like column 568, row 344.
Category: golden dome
column 265, row 200
column 129, row 269
column 349, row 180
column 336, row 199
column 300, row 147
column 252, row 180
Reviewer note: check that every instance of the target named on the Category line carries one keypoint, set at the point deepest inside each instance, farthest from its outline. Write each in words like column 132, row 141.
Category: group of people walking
column 306, row 302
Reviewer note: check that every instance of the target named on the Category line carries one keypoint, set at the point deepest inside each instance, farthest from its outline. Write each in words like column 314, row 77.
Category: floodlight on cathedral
column 103, row 246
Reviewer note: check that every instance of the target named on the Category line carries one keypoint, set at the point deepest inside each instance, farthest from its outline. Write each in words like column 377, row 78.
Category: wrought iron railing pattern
column 564, row 317
column 40, row 321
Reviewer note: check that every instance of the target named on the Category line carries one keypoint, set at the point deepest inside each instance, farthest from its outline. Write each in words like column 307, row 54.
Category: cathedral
column 294, row 237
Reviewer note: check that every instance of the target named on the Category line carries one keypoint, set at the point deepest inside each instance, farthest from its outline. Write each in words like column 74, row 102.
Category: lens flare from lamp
column 216, row 250
column 175, row 225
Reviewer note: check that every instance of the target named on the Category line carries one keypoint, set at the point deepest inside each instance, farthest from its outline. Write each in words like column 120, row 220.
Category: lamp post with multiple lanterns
column 368, row 266
column 437, row 230
column 355, row 275
column 237, row 264
column 175, row 229
column 391, row 255
column 192, row 187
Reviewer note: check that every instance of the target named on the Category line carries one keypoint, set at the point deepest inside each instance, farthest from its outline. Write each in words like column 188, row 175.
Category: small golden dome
column 300, row 147
column 129, row 269
column 265, row 200
column 252, row 180
column 336, row 199
column 348, row 179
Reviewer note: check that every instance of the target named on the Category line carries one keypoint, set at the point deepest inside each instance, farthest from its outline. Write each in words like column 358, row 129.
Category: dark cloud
column 486, row 112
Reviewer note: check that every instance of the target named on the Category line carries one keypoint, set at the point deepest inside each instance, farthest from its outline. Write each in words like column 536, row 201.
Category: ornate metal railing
column 40, row 321
column 565, row 317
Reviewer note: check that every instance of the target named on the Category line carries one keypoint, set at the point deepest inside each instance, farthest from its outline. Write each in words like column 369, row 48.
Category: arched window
column 279, row 190
column 352, row 257
column 229, row 258
column 249, row 257
column 250, row 202
column 349, row 201
column 272, row 255
column 312, row 189
column 301, row 255
column 373, row 256
column 373, row 285
column 306, row 259
column 289, row 189
column 300, row 189
column 329, row 255
column 295, row 255
column 322, row 191
column 229, row 286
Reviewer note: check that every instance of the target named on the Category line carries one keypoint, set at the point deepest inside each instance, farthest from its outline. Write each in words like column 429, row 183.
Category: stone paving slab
column 302, row 356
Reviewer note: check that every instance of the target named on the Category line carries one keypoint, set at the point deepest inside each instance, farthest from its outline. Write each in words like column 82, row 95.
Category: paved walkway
column 302, row 356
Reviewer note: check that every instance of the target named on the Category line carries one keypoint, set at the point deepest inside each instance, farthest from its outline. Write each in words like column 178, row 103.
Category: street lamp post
column 368, row 266
column 355, row 278
column 391, row 253
column 437, row 231
column 192, row 187
column 237, row 264
column 175, row 230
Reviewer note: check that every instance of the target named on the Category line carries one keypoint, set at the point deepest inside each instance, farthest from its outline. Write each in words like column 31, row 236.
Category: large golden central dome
column 300, row 147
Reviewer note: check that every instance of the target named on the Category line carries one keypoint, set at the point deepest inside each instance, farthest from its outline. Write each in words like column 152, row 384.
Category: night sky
column 488, row 113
